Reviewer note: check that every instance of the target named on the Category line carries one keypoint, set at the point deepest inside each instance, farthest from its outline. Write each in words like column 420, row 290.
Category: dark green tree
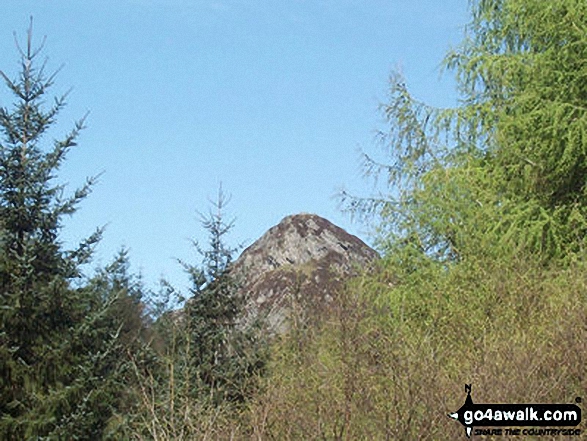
column 112, row 343
column 38, row 305
column 225, row 353
column 61, row 339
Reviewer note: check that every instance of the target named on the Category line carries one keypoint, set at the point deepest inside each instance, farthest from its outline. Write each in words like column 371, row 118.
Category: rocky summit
column 295, row 269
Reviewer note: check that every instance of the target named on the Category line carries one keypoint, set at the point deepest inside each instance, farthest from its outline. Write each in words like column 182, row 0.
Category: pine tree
column 111, row 343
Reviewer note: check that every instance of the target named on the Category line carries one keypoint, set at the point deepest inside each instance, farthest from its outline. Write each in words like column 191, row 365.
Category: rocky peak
column 301, row 261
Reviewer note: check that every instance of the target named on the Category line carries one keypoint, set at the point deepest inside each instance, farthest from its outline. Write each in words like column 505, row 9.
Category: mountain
column 295, row 269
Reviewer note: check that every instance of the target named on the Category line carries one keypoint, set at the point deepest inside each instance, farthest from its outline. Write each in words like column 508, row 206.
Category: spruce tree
column 62, row 340
column 38, row 305
column 111, row 344
column 224, row 353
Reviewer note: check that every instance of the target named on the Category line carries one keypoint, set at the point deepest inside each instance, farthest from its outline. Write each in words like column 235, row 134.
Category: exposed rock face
column 298, row 264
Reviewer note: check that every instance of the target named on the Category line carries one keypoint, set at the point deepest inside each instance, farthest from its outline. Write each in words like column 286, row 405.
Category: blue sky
column 272, row 98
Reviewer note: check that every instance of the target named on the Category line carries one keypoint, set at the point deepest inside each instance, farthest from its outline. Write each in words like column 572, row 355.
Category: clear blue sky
column 271, row 98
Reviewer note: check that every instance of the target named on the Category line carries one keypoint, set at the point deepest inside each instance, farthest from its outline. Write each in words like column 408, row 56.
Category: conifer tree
column 61, row 340
column 522, row 74
column 224, row 353
column 38, row 306
column 111, row 342
column 505, row 170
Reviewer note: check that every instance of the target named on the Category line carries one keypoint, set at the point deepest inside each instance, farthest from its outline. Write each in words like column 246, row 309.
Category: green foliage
column 482, row 222
column 63, row 342
column 209, row 361
column 112, row 341
column 38, row 306
column 506, row 168
column 522, row 73
column 224, row 352
column 391, row 361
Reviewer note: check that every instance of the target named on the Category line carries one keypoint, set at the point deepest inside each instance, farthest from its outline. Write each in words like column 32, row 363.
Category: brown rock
column 295, row 269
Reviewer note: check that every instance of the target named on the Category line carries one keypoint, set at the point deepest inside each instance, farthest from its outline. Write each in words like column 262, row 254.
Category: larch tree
column 507, row 168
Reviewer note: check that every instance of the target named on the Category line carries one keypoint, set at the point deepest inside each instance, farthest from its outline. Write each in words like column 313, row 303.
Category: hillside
column 298, row 265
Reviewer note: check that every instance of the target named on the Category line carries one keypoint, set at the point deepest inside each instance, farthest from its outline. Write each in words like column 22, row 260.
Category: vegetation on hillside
column 483, row 280
column 483, row 233
column 210, row 361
